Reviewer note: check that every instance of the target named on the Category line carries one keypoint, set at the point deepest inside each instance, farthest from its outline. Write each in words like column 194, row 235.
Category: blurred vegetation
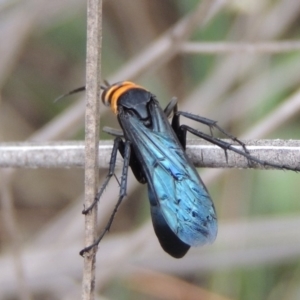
column 45, row 57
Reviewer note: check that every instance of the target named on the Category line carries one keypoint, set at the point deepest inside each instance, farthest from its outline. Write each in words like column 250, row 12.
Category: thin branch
column 226, row 47
column 92, row 124
column 202, row 154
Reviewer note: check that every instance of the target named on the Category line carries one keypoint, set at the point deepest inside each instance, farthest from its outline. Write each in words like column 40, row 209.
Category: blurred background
column 245, row 86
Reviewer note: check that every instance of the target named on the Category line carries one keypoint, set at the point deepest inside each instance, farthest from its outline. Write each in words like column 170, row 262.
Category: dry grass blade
column 250, row 48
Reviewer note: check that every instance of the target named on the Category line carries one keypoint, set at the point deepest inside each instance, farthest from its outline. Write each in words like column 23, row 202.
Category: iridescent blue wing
column 174, row 184
column 168, row 240
column 182, row 196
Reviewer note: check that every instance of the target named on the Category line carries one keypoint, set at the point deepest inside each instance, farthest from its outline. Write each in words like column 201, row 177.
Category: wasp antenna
column 106, row 83
column 80, row 89
column 103, row 87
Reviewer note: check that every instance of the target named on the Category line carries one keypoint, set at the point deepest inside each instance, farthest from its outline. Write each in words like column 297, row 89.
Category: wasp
column 182, row 211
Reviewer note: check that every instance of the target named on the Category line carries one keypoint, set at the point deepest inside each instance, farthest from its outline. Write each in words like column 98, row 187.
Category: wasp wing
column 168, row 240
column 174, row 184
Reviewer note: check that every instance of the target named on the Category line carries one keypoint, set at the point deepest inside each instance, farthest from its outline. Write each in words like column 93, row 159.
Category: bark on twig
column 92, row 123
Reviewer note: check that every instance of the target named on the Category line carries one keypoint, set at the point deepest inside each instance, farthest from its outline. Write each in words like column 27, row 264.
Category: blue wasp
column 183, row 214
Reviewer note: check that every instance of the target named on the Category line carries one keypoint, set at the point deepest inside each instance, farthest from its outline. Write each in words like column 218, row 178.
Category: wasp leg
column 134, row 162
column 211, row 124
column 111, row 172
column 171, row 107
column 122, row 194
column 227, row 146
column 113, row 131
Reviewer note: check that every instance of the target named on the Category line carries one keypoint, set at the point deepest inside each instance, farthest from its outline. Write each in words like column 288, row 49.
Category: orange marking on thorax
column 116, row 91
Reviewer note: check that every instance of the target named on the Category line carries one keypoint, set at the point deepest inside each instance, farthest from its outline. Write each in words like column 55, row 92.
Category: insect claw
column 226, row 155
